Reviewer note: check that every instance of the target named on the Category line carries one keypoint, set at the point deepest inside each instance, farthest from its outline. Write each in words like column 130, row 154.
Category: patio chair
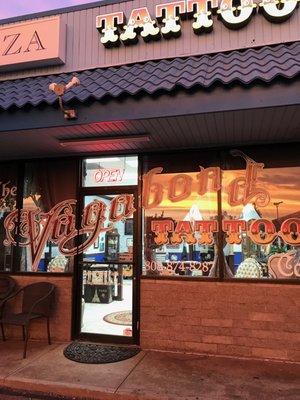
column 7, row 286
column 36, row 303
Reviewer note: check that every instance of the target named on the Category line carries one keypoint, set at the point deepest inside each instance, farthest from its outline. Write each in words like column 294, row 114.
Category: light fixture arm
column 68, row 114
column 59, row 89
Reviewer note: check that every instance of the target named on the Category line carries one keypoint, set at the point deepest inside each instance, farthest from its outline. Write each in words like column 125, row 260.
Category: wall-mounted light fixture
column 94, row 141
column 60, row 89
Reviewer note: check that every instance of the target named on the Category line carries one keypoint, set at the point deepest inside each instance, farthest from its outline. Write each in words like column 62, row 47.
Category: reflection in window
column 8, row 199
column 180, row 216
column 262, row 253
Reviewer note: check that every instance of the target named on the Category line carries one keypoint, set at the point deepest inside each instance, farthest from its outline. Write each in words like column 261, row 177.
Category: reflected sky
column 282, row 184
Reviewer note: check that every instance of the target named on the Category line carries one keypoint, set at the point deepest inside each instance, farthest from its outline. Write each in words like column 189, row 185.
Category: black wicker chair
column 7, row 286
column 36, row 303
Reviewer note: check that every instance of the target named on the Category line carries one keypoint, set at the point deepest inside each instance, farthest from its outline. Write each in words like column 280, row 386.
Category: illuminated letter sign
column 29, row 44
column 139, row 20
column 234, row 15
column 278, row 10
column 108, row 25
column 202, row 15
column 169, row 14
column 109, row 175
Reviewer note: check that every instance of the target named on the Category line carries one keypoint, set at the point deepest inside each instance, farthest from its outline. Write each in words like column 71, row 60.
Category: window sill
column 225, row 280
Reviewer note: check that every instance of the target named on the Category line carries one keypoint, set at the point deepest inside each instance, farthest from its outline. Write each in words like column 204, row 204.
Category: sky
column 13, row 8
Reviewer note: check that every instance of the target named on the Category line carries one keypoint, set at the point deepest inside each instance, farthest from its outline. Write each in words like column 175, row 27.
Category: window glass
column 115, row 242
column 180, row 215
column 110, row 171
column 48, row 215
column 8, row 200
column 261, row 218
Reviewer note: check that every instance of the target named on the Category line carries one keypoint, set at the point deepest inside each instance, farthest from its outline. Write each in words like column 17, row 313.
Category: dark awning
column 243, row 66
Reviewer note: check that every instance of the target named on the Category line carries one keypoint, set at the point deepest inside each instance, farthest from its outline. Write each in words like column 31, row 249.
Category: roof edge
column 57, row 11
column 160, row 76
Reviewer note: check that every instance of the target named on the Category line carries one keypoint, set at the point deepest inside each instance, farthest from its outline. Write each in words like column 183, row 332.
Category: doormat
column 10, row 394
column 119, row 318
column 91, row 353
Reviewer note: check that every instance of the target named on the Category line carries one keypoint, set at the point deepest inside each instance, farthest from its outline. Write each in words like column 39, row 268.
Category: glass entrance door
column 107, row 267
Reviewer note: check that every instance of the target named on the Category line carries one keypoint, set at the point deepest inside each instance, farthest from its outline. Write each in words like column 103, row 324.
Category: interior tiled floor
column 94, row 312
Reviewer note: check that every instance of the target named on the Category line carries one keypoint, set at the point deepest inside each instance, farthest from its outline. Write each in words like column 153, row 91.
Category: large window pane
column 50, row 199
column 261, row 217
column 180, row 215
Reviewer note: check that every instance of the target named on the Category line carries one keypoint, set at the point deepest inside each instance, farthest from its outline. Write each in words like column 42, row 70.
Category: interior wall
column 60, row 323
column 229, row 319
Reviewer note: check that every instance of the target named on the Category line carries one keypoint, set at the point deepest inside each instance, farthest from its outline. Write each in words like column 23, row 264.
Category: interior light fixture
column 94, row 141
column 109, row 159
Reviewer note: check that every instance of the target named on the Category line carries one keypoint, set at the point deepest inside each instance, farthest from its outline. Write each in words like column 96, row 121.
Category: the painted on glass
column 58, row 226
column 8, row 194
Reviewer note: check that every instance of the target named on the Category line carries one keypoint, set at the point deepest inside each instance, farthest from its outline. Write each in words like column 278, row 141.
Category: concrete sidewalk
column 149, row 375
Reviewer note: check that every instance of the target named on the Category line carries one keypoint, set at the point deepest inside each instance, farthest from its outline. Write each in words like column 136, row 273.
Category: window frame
column 221, row 264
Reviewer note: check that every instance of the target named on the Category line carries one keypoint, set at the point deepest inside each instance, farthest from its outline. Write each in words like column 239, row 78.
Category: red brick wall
column 232, row 319
column 60, row 324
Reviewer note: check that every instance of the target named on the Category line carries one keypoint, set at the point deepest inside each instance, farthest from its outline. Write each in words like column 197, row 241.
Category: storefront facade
column 150, row 169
